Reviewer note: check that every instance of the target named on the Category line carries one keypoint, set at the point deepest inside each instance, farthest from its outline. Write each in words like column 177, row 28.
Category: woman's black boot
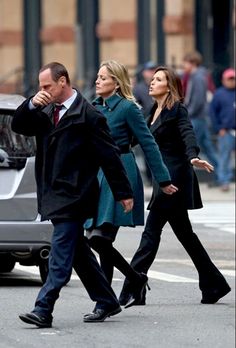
column 138, row 293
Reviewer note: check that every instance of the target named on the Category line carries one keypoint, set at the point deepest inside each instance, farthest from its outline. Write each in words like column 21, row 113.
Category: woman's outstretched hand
column 202, row 164
column 170, row 189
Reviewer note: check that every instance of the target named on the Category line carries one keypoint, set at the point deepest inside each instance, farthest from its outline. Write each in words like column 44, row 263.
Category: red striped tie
column 56, row 113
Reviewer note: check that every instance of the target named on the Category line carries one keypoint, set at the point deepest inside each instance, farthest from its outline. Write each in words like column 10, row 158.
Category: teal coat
column 126, row 122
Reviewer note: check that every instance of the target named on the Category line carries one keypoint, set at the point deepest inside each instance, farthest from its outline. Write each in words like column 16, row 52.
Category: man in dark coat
column 68, row 157
column 196, row 95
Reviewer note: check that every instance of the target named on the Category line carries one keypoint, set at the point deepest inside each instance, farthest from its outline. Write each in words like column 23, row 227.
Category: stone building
column 81, row 33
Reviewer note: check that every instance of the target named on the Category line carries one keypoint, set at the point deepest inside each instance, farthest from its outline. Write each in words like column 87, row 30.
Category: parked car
column 23, row 238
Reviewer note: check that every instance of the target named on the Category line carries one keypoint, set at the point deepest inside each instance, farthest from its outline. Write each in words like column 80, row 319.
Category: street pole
column 32, row 45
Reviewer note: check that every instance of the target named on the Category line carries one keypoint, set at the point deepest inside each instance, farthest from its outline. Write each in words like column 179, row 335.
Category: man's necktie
column 56, row 113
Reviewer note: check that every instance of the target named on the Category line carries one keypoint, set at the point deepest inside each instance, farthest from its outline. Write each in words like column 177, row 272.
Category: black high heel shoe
column 213, row 296
column 138, row 296
column 125, row 298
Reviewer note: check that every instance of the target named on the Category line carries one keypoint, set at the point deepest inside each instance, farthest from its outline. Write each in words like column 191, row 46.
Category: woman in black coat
column 172, row 130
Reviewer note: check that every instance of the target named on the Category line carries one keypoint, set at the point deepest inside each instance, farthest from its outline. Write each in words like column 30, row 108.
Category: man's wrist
column 31, row 105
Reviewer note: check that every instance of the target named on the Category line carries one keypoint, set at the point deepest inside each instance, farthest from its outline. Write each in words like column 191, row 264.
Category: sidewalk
column 215, row 193
column 208, row 194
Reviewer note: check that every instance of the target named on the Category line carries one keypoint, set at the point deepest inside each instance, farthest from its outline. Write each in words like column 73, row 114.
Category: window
column 14, row 148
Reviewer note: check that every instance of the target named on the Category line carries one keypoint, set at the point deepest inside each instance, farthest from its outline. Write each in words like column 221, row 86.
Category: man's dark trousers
column 70, row 246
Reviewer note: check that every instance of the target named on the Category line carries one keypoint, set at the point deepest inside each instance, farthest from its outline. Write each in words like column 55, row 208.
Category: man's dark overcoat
column 68, row 158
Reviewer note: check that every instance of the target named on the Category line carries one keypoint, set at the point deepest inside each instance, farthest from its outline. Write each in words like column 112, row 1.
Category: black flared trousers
column 209, row 275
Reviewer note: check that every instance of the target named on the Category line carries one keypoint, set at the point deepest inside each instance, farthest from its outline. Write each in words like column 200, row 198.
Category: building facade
column 81, row 33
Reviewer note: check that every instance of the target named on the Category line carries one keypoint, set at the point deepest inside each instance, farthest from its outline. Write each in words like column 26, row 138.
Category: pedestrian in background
column 141, row 88
column 222, row 112
column 196, row 87
column 173, row 132
column 73, row 141
column 125, row 120
column 141, row 94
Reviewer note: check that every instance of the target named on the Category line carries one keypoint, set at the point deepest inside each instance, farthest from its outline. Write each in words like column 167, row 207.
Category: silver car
column 23, row 238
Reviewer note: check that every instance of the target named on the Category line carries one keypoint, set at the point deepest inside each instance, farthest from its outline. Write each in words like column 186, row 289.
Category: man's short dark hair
column 193, row 57
column 57, row 70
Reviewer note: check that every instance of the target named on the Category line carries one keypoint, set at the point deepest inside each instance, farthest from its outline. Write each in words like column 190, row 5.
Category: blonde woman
column 126, row 122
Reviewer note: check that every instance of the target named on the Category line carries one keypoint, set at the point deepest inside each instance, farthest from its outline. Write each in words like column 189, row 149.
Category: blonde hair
column 120, row 74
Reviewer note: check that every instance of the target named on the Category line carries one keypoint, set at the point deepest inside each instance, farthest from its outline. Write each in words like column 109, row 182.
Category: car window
column 14, row 148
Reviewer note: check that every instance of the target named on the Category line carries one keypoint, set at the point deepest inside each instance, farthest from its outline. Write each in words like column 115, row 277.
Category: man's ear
column 62, row 80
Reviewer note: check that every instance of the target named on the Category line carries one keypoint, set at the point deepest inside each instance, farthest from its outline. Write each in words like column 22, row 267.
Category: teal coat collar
column 111, row 102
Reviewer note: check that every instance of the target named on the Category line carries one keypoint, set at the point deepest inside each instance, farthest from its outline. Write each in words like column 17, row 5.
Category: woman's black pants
column 209, row 276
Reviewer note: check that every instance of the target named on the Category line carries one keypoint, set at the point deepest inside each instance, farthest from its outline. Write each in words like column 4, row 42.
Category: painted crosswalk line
column 33, row 272
column 170, row 277
column 223, row 220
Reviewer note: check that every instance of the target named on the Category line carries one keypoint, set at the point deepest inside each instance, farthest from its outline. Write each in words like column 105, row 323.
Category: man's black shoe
column 36, row 319
column 99, row 315
column 214, row 296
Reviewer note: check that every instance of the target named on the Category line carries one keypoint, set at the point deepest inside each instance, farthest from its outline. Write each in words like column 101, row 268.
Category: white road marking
column 156, row 275
column 213, row 215
column 225, row 227
column 170, row 277
column 28, row 269
column 228, row 272
column 34, row 270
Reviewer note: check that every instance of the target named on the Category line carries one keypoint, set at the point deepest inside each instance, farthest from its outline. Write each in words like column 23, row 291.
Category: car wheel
column 43, row 270
column 6, row 264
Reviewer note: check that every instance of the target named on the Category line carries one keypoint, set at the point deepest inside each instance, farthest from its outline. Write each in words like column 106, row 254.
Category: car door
column 17, row 183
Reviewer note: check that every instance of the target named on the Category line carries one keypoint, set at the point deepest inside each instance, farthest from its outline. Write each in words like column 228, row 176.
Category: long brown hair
column 174, row 84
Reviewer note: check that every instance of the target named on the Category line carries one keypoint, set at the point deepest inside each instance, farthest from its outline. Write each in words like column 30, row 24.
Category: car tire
column 43, row 270
column 6, row 264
